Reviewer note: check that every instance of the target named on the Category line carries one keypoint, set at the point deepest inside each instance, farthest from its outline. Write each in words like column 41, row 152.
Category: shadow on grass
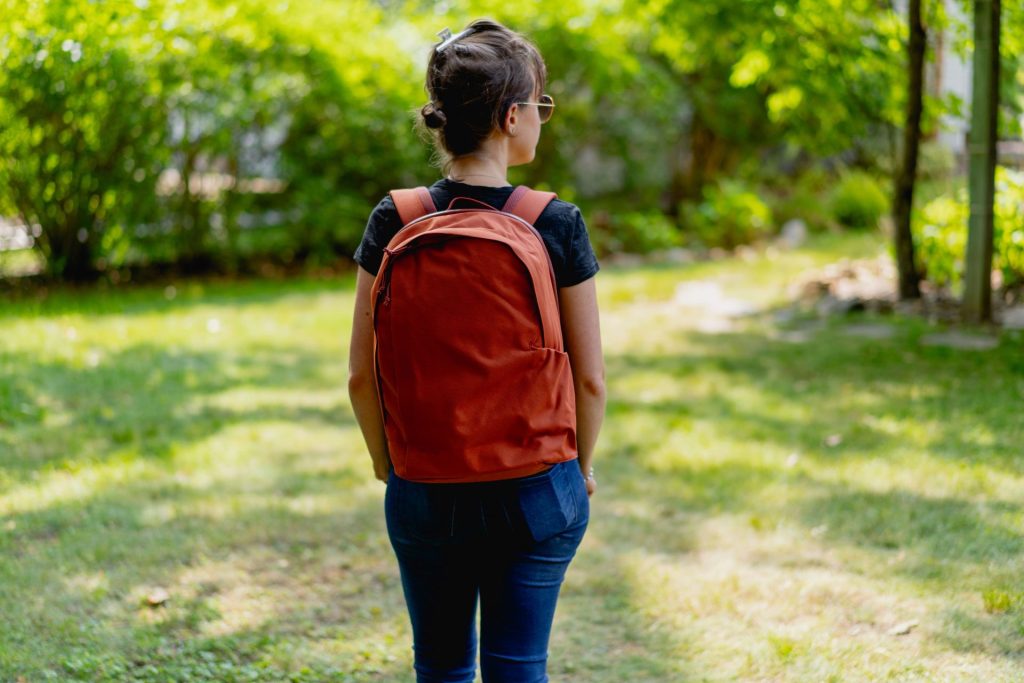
column 943, row 536
column 751, row 391
column 966, row 399
column 938, row 543
column 176, row 295
column 147, row 400
column 260, row 591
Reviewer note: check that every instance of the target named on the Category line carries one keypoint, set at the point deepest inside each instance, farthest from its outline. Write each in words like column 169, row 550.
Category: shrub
column 940, row 233
column 1008, row 236
column 730, row 215
column 633, row 232
column 940, row 236
column 859, row 201
column 290, row 122
column 803, row 198
column 80, row 125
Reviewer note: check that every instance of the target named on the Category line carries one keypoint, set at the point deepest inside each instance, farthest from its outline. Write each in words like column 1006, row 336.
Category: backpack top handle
column 470, row 200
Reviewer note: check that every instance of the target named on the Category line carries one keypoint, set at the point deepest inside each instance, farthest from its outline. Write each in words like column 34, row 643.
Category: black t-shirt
column 560, row 225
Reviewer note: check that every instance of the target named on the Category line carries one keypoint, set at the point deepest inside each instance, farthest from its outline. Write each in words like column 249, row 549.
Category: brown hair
column 473, row 82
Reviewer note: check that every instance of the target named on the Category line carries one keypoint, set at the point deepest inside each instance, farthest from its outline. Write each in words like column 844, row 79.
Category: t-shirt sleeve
column 382, row 225
column 581, row 262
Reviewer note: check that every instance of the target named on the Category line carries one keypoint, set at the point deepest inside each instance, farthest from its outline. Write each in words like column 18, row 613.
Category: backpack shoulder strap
column 413, row 203
column 528, row 204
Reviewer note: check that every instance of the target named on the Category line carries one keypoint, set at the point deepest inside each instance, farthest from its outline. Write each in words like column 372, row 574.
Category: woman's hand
column 591, row 485
column 382, row 468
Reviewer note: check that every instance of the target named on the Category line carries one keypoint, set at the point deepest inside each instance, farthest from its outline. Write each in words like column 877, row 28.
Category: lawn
column 782, row 498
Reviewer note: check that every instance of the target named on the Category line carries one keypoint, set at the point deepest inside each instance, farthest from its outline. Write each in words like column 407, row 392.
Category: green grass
column 769, row 508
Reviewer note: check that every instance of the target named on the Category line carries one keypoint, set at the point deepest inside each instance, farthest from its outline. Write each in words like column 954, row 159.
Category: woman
column 504, row 541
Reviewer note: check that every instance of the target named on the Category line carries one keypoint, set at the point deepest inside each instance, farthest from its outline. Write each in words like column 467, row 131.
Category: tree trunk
column 977, row 304
column 700, row 157
column 77, row 262
column 909, row 280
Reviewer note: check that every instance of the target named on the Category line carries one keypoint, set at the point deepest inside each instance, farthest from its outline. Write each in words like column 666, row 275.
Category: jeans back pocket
column 549, row 504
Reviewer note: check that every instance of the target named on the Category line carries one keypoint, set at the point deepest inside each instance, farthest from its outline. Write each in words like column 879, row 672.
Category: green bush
column 81, row 125
column 731, row 214
column 940, row 237
column 100, row 100
column 1009, row 226
column 322, row 103
column 940, row 233
column 859, row 201
column 632, row 232
column 803, row 198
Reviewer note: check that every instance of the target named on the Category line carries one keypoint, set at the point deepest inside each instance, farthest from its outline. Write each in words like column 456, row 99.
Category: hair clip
column 447, row 38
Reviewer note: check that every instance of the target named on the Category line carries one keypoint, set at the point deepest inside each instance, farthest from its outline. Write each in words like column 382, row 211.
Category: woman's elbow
column 359, row 381
column 591, row 385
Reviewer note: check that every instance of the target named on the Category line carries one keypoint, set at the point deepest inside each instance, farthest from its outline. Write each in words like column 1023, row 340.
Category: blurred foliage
column 732, row 214
column 940, row 237
column 80, row 125
column 800, row 198
column 940, row 233
column 216, row 133
column 859, row 201
column 632, row 232
column 99, row 102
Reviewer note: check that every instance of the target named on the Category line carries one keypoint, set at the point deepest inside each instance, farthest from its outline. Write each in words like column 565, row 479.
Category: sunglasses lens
column 547, row 108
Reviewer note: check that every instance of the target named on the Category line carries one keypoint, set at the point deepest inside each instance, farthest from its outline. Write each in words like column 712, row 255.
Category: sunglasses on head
column 545, row 107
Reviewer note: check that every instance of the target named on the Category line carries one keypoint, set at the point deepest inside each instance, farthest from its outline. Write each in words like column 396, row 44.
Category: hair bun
column 432, row 116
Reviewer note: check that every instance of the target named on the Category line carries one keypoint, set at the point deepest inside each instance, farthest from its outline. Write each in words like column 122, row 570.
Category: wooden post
column 977, row 303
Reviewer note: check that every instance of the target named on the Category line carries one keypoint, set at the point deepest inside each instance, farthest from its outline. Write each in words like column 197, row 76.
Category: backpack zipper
column 386, row 285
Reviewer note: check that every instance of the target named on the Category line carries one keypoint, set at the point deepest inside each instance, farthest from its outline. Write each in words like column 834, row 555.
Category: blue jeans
column 506, row 543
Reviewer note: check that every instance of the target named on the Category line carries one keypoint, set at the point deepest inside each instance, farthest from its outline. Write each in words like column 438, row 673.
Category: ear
column 511, row 118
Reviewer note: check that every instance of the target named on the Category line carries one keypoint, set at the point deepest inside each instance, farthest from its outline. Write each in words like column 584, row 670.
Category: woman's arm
column 582, row 329
column 362, row 383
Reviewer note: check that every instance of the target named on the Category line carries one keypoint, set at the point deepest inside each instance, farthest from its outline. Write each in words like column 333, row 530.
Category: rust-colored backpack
column 474, row 381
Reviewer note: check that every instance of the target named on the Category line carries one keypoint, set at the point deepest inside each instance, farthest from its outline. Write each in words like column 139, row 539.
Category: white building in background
column 950, row 74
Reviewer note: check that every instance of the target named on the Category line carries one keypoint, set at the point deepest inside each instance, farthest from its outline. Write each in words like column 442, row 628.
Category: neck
column 487, row 166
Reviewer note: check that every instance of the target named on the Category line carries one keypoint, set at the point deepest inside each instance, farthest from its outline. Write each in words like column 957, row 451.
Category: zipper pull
column 386, row 286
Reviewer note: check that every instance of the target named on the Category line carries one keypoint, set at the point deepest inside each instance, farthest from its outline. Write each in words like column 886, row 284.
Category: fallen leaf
column 157, row 597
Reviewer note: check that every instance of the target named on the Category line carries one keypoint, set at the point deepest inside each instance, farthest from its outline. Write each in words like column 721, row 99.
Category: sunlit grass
column 769, row 510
